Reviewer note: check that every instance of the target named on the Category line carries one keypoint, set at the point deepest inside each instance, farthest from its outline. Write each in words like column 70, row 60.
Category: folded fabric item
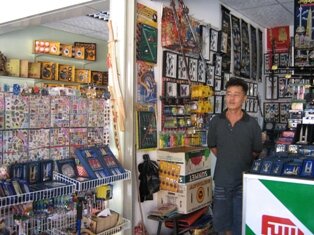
column 187, row 220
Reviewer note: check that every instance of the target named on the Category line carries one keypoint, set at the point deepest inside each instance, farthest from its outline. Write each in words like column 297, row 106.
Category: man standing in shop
column 235, row 139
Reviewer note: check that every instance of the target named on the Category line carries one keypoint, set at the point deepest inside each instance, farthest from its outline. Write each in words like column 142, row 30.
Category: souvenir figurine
column 3, row 60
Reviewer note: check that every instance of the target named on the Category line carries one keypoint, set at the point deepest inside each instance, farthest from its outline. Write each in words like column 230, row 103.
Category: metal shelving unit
column 41, row 194
column 82, row 186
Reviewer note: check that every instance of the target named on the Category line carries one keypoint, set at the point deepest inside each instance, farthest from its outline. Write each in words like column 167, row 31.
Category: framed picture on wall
column 205, row 41
column 214, row 37
column 170, row 64
column 267, row 62
column 271, row 90
column 218, row 106
column 211, row 57
column 193, row 66
column 182, row 71
column 217, row 83
column 171, row 89
column 251, row 89
column 184, row 90
column 283, row 59
column 201, row 71
column 226, row 77
column 255, row 89
column 224, row 42
column 218, row 64
column 210, row 75
column 248, row 90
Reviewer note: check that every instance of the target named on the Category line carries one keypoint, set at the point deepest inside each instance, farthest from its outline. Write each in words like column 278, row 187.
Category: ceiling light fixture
column 102, row 15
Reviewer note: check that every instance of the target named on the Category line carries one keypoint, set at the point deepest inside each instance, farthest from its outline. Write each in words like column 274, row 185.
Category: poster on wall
column 303, row 33
column 253, row 53
column 146, row 85
column 146, row 34
column 236, row 45
column 146, row 43
column 278, row 39
column 245, row 50
column 146, row 15
column 147, row 130
column 225, row 39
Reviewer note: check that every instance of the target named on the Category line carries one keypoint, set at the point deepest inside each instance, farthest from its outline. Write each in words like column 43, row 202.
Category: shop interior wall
column 209, row 12
column 18, row 44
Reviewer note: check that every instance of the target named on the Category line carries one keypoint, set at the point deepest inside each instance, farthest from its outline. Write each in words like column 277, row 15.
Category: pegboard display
column 185, row 99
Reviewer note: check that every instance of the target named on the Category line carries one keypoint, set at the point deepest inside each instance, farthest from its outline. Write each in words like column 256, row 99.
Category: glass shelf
column 34, row 81
column 41, row 194
column 91, row 184
column 61, row 59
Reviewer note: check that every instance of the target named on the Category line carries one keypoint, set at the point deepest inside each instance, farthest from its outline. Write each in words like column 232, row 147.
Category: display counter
column 277, row 205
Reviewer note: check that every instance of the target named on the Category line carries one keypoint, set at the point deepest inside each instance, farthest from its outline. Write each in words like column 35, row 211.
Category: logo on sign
column 272, row 225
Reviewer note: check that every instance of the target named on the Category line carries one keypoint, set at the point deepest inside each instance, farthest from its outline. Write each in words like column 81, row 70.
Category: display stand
column 277, row 205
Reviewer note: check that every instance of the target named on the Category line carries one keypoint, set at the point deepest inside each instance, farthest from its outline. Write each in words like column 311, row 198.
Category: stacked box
column 34, row 70
column 12, row 66
column 90, row 50
column 97, row 77
column 49, row 71
column 190, row 196
column 66, row 73
column 78, row 52
column 44, row 46
column 24, row 68
column 66, row 50
column 82, row 75
column 194, row 161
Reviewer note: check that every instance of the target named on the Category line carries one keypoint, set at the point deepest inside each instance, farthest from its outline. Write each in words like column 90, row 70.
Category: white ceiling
column 72, row 19
column 266, row 13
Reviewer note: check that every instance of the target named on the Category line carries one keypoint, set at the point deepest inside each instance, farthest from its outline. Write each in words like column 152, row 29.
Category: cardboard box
column 24, row 68
column 48, row 47
column 78, row 53
column 194, row 176
column 190, row 197
column 66, row 73
column 90, row 50
column 49, row 71
column 34, row 70
column 191, row 159
column 97, row 77
column 82, row 75
column 66, row 50
column 96, row 225
column 12, row 66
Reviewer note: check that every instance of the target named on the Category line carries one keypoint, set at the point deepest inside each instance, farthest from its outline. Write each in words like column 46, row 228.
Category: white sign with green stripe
column 276, row 205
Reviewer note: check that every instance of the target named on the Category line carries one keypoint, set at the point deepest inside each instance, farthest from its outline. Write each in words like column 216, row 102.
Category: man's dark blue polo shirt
column 235, row 146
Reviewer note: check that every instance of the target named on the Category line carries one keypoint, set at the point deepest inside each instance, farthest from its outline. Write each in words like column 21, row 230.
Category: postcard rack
column 82, row 186
column 41, row 194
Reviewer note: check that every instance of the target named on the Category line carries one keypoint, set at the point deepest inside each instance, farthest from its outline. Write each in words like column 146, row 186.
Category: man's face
column 235, row 97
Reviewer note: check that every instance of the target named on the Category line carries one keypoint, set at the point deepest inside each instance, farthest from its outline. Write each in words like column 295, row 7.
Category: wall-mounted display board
column 303, row 33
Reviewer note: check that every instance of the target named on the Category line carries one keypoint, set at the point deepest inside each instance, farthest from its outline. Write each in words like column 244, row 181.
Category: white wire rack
column 31, row 226
column 82, row 186
column 62, row 223
column 38, row 195
column 126, row 224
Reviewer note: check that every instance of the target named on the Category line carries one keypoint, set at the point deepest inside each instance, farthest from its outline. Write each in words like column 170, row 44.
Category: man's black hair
column 237, row 82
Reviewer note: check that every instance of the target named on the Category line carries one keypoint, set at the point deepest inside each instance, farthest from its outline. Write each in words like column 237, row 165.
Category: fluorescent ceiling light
column 17, row 9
